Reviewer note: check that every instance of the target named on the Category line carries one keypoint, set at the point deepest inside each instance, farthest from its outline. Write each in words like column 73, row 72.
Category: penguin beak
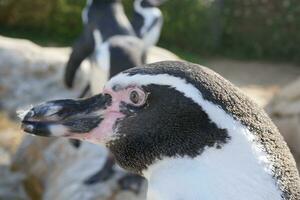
column 66, row 118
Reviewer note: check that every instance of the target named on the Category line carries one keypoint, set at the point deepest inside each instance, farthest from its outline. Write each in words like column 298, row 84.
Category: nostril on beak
column 52, row 110
column 27, row 128
column 30, row 114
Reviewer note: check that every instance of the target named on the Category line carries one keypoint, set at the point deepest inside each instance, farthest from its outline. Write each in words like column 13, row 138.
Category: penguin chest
column 209, row 177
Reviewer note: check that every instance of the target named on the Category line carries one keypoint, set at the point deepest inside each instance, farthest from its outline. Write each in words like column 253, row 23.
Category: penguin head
column 143, row 114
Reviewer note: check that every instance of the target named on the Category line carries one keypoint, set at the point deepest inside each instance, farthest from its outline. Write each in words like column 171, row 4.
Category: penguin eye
column 137, row 97
column 134, row 97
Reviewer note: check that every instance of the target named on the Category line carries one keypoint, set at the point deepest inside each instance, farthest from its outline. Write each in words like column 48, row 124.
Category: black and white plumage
column 108, row 19
column 147, row 21
column 112, row 56
column 105, row 17
column 189, row 131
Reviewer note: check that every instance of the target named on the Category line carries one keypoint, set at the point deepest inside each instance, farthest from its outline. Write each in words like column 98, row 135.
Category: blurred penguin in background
column 104, row 19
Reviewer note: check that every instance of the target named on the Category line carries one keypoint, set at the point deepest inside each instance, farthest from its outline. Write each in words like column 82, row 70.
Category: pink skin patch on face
column 105, row 131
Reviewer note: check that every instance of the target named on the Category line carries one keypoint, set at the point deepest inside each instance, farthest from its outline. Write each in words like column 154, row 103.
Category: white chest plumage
column 230, row 173
column 239, row 170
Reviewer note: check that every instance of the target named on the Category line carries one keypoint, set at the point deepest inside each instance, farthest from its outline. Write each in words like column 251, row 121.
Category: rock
column 10, row 138
column 285, row 112
column 261, row 95
column 157, row 54
column 30, row 74
column 56, row 170
column 52, row 168
column 11, row 184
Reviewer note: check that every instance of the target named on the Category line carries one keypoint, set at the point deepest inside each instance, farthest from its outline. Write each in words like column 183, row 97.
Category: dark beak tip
column 36, row 128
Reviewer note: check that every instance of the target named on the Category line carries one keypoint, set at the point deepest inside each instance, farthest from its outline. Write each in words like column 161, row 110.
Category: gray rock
column 11, row 184
column 285, row 112
column 29, row 73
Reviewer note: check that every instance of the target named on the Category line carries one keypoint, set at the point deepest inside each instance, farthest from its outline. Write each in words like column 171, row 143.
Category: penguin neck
column 236, row 171
column 147, row 15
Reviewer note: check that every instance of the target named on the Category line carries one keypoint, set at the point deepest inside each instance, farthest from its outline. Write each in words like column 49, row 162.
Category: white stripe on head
column 251, row 157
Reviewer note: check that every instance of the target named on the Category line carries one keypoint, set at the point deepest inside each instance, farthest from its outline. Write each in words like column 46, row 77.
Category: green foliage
column 58, row 19
column 262, row 28
column 187, row 25
column 243, row 28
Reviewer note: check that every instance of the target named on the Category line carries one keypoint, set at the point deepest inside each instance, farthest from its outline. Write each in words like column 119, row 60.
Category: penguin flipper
column 131, row 182
column 75, row 143
column 105, row 173
column 82, row 48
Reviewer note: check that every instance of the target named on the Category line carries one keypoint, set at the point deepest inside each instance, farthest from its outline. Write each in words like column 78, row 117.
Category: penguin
column 107, row 17
column 191, row 133
column 147, row 21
